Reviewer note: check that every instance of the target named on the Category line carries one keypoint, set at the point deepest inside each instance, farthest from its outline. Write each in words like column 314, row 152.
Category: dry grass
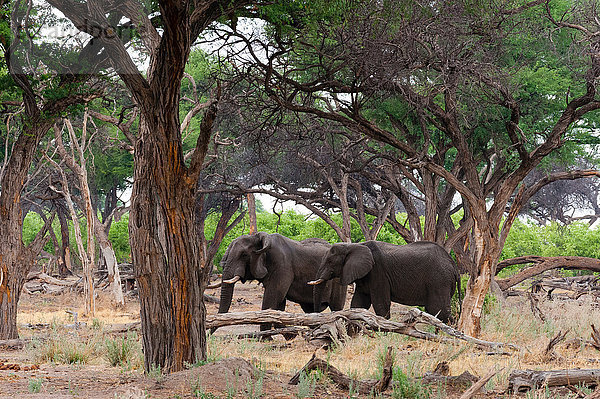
column 511, row 321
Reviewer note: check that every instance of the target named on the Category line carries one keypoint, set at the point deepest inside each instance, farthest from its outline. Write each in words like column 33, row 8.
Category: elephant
column 283, row 266
column 420, row 273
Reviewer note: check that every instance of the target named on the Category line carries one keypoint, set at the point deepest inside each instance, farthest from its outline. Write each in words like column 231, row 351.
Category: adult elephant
column 420, row 273
column 283, row 266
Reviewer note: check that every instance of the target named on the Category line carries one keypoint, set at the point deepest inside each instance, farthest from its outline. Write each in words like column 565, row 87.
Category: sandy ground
column 247, row 368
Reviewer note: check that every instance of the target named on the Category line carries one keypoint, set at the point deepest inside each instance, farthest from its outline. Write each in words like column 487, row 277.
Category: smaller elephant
column 283, row 266
column 420, row 273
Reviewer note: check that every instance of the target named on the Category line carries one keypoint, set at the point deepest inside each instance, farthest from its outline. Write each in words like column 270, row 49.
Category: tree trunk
column 13, row 268
column 252, row 213
column 114, row 277
column 86, row 255
column 15, row 258
column 167, row 252
column 478, row 284
column 64, row 268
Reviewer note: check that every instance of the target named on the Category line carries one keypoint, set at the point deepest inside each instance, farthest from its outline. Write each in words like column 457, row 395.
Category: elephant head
column 346, row 262
column 245, row 259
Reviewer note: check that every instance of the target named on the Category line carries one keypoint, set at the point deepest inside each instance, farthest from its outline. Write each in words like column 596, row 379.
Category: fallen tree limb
column 123, row 328
column 595, row 338
column 50, row 280
column 13, row 343
column 541, row 264
column 525, row 380
column 286, row 331
column 406, row 324
column 468, row 394
column 365, row 387
column 463, row 379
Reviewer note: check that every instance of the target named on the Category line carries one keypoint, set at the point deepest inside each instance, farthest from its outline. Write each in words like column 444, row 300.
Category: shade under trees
column 455, row 91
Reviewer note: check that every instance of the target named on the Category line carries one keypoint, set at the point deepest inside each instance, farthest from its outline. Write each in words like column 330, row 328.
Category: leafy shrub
column 122, row 351
column 65, row 351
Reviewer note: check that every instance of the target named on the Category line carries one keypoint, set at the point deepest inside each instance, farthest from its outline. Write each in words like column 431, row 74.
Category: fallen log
column 469, row 393
column 286, row 332
column 464, row 379
column 366, row 387
column 406, row 325
column 123, row 328
column 13, row 343
column 50, row 280
column 525, row 380
column 595, row 338
column 541, row 264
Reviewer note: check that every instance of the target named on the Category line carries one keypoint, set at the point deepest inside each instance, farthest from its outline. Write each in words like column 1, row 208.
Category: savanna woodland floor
column 69, row 362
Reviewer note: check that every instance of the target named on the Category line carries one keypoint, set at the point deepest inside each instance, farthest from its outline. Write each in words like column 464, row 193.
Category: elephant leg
column 361, row 300
column 439, row 305
column 307, row 307
column 381, row 297
column 382, row 308
column 338, row 298
column 272, row 299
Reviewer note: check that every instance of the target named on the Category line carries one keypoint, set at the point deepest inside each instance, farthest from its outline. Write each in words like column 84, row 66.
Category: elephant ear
column 258, row 267
column 359, row 261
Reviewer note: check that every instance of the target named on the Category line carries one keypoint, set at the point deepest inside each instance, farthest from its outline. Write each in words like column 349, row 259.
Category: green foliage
column 35, row 385
column 119, row 238
column 123, row 351
column 554, row 239
column 306, row 385
column 60, row 351
column 408, row 388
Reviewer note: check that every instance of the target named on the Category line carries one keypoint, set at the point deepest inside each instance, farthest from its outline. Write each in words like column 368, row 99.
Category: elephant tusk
column 316, row 282
column 215, row 285
column 1, row 276
column 232, row 281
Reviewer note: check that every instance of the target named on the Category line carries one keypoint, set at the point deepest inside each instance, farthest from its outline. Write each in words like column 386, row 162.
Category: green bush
column 122, row 351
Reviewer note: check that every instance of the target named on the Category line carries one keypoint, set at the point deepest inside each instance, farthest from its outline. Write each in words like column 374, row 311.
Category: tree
column 453, row 88
column 42, row 104
column 168, row 254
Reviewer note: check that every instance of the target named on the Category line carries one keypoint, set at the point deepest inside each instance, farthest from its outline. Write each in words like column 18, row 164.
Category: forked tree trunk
column 167, row 252
column 487, row 255
column 94, row 226
column 87, row 255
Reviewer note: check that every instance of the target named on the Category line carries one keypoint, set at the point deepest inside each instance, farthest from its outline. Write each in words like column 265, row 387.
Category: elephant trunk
column 321, row 296
column 226, row 296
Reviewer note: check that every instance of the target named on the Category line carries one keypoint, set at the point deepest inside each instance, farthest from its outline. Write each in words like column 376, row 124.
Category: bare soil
column 247, row 368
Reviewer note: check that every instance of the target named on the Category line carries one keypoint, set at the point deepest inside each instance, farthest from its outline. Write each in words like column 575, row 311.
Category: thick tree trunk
column 13, row 269
column 15, row 259
column 166, row 249
column 479, row 283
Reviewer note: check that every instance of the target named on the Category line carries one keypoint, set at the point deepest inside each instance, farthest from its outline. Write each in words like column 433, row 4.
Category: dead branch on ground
column 525, row 380
column 344, row 382
column 469, row 393
column 595, row 338
column 549, row 353
column 406, row 323
column 541, row 264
